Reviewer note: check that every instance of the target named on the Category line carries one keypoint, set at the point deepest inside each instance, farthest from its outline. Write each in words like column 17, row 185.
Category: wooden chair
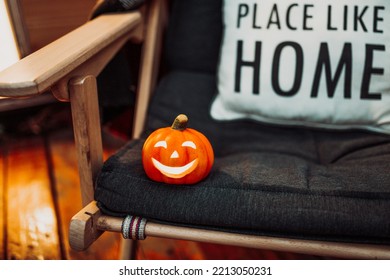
column 69, row 66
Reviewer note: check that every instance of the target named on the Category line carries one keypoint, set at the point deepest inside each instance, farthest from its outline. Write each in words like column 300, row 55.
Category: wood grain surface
column 47, row 20
column 31, row 221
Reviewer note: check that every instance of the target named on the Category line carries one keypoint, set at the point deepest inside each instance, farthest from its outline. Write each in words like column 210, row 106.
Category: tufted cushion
column 312, row 63
column 293, row 182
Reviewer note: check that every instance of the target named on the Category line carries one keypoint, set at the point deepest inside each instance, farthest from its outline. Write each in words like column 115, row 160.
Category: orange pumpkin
column 177, row 154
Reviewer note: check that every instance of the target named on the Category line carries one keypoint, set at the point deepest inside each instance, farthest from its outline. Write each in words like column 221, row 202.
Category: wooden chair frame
column 69, row 66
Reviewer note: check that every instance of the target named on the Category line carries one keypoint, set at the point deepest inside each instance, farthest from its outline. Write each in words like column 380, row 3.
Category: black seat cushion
column 277, row 181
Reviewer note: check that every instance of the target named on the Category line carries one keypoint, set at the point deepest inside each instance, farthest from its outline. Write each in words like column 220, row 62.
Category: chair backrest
column 194, row 35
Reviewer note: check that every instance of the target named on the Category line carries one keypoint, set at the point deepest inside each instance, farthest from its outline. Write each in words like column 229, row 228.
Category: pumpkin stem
column 180, row 123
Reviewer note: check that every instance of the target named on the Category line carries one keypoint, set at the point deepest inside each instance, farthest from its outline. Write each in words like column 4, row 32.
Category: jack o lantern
column 177, row 154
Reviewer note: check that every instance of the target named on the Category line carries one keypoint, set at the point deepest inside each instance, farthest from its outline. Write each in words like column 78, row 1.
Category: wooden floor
column 39, row 193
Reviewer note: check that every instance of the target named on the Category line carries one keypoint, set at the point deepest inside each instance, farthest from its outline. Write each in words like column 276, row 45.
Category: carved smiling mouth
column 175, row 172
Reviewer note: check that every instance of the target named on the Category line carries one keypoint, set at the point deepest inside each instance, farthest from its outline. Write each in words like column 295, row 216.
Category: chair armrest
column 39, row 71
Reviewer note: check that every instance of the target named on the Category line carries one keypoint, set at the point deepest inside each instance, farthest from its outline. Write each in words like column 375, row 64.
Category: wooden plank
column 32, row 231
column 67, row 184
column 2, row 207
column 47, row 20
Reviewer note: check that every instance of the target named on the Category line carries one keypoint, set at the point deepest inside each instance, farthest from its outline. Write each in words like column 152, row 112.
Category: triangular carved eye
column 162, row 143
column 189, row 144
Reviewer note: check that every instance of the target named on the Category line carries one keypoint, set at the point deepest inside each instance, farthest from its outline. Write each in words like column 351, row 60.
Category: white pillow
column 317, row 63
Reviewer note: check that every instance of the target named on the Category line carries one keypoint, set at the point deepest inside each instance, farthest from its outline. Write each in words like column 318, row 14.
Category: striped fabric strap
column 134, row 227
column 130, row 4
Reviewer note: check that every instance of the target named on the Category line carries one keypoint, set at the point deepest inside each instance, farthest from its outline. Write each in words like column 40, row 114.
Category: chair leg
column 87, row 132
column 128, row 249
column 83, row 230
column 86, row 121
